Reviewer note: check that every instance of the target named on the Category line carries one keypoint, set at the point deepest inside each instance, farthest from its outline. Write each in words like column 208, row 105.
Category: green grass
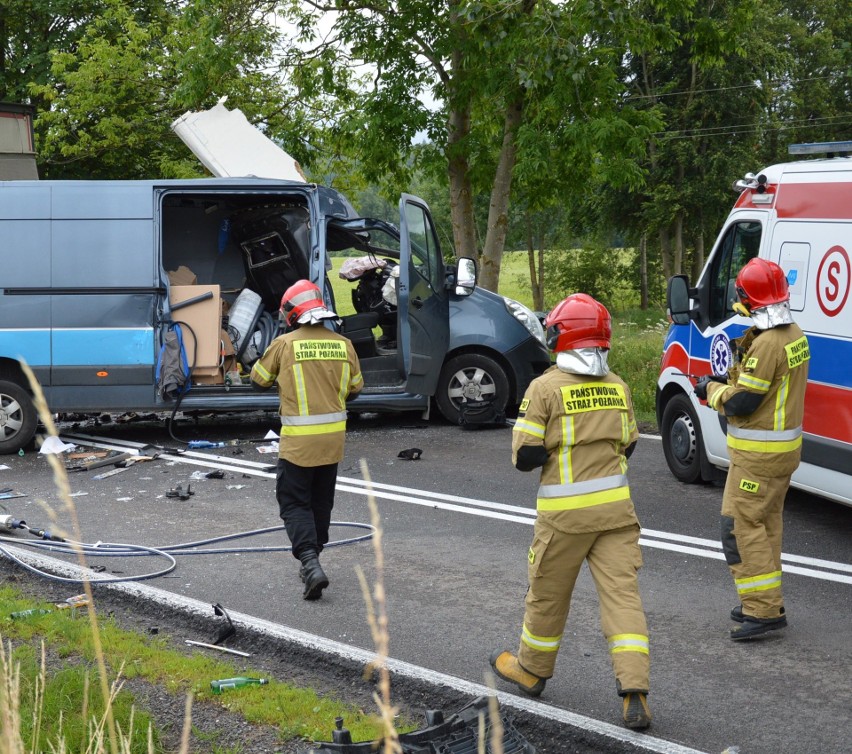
column 637, row 337
column 299, row 713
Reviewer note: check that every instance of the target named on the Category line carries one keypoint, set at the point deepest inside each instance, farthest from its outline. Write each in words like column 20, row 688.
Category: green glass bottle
column 28, row 613
column 217, row 687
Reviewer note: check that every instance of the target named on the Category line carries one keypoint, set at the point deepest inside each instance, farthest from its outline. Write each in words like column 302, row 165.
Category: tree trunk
column 666, row 252
column 535, row 276
column 678, row 243
column 643, row 272
column 698, row 258
column 498, row 217
column 461, row 190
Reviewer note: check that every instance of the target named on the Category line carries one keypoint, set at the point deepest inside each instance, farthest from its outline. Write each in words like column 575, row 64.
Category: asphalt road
column 456, row 526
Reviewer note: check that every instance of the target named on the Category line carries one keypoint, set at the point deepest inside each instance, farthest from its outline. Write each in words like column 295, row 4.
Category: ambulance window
column 740, row 244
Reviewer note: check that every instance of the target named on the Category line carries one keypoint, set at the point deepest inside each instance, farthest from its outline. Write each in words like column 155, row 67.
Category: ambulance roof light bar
column 830, row 148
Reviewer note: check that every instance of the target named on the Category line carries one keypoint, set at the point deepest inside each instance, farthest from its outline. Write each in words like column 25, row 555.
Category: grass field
column 637, row 335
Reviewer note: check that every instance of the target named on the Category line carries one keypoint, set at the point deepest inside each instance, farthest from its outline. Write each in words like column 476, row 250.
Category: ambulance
column 799, row 215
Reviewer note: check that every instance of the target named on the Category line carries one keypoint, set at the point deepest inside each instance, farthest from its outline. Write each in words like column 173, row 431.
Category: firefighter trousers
column 614, row 558
column 305, row 498
column 752, row 527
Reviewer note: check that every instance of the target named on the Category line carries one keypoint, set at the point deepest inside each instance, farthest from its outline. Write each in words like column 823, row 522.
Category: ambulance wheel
column 18, row 418
column 470, row 376
column 682, row 443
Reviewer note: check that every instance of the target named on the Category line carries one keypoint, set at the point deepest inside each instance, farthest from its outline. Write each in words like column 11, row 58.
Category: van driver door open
column 424, row 308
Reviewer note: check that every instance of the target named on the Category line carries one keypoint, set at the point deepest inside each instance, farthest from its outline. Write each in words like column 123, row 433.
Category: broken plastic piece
column 179, row 492
column 411, row 454
column 226, row 631
column 460, row 733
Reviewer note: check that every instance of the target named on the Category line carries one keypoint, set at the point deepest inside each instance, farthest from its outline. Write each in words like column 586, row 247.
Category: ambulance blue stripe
column 113, row 347
column 830, row 357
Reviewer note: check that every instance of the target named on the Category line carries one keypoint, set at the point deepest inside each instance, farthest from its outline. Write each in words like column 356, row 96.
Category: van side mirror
column 677, row 299
column 465, row 276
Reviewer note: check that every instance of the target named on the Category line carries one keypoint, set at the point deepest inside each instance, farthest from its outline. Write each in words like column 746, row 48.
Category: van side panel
column 25, row 264
column 106, row 288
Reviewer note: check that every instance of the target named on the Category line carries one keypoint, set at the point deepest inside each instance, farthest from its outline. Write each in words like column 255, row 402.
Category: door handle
column 417, row 303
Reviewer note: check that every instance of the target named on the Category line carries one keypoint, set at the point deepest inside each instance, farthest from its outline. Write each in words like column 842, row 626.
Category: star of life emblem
column 721, row 356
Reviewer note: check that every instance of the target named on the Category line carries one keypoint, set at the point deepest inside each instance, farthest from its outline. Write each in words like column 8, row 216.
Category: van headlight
column 527, row 318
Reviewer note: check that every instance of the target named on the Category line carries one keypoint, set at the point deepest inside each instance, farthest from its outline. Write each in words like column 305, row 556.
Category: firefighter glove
column 703, row 382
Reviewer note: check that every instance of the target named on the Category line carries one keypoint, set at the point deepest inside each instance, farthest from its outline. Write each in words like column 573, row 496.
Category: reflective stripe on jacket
column 585, row 424
column 316, row 370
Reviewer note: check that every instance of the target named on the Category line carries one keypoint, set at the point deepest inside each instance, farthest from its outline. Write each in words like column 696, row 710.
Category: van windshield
column 374, row 237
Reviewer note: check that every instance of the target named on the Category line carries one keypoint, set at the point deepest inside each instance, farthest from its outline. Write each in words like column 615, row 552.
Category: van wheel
column 470, row 376
column 682, row 442
column 18, row 420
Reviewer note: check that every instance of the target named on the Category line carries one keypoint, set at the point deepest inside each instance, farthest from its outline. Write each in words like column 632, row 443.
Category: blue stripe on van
column 103, row 346
column 33, row 346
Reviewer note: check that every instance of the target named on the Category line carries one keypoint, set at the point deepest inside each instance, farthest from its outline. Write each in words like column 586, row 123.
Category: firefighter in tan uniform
column 763, row 400
column 576, row 422
column 316, row 370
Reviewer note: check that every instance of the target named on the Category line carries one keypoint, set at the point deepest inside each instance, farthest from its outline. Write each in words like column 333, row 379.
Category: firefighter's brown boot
column 637, row 714
column 507, row 667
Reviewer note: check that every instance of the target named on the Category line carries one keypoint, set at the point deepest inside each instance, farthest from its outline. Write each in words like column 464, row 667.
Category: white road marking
column 682, row 543
column 638, row 741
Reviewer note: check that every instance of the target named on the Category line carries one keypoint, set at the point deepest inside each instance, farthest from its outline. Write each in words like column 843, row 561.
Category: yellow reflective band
column 540, row 643
column 764, row 446
column 779, row 421
column 760, row 583
column 531, row 428
column 755, row 383
column 358, row 379
column 262, row 373
column 798, row 352
column 715, row 398
column 583, row 501
column 301, row 391
column 343, row 388
column 314, row 350
column 290, row 430
column 628, row 643
column 748, row 486
column 593, row 396
column 566, row 449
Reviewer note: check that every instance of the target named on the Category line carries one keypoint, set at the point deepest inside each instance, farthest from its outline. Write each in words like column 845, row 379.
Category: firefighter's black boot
column 312, row 575
column 738, row 615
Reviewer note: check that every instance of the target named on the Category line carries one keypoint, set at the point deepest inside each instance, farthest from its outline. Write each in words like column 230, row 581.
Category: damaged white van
column 97, row 273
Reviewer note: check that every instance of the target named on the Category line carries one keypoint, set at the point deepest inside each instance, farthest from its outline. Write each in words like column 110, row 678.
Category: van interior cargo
column 230, row 257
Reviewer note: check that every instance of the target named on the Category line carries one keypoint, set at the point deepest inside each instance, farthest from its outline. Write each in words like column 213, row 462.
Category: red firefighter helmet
column 761, row 283
column 301, row 297
column 578, row 321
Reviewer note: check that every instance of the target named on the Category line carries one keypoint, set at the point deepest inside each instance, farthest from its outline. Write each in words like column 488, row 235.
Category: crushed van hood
column 231, row 147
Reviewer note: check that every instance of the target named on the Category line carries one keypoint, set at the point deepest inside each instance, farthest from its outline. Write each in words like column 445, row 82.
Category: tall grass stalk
column 60, row 479
column 378, row 619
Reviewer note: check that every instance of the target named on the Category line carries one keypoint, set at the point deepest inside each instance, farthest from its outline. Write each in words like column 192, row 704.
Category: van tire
column 470, row 375
column 683, row 444
column 18, row 419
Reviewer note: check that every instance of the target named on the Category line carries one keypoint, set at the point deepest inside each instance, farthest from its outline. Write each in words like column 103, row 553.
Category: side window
column 740, row 244
column 425, row 251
